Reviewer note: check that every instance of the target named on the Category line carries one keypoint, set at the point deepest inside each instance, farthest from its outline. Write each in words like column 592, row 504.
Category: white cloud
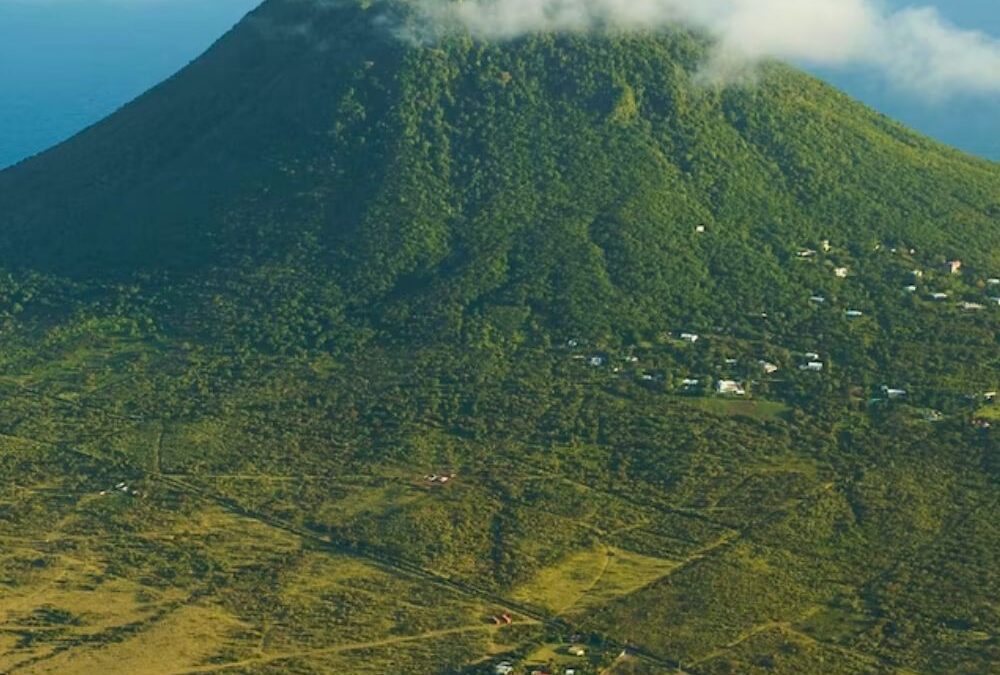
column 918, row 50
column 914, row 49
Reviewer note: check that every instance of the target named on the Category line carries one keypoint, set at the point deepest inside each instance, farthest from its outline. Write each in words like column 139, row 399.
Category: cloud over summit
column 914, row 49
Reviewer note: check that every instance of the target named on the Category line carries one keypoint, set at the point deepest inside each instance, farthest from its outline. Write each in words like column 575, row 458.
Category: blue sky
column 64, row 64
column 971, row 122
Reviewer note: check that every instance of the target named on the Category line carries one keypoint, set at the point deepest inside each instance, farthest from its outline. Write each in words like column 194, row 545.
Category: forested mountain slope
column 337, row 347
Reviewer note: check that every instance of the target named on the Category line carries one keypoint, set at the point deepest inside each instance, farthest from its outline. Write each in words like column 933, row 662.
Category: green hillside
column 333, row 349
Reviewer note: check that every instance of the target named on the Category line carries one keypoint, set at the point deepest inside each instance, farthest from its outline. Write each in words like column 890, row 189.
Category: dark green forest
column 339, row 352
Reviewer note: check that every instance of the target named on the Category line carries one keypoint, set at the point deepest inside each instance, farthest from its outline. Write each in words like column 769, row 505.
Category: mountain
column 341, row 351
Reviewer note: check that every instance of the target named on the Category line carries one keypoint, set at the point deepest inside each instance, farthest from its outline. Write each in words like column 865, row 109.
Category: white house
column 993, row 282
column 939, row 296
column 767, row 367
column 807, row 253
column 893, row 393
column 690, row 337
column 503, row 668
column 730, row 387
column 853, row 314
column 953, row 266
column 811, row 356
column 910, row 289
column 841, row 272
column 972, row 306
column 818, row 299
column 596, row 361
column 688, row 382
column 812, row 366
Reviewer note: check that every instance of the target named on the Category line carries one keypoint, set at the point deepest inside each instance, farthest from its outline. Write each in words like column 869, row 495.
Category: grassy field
column 118, row 576
column 989, row 412
column 740, row 407
column 591, row 578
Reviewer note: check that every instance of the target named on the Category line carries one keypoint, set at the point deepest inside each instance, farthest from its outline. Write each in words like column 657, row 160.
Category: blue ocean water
column 65, row 64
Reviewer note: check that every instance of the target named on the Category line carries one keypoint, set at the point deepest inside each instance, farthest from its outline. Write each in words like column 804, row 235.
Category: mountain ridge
column 278, row 94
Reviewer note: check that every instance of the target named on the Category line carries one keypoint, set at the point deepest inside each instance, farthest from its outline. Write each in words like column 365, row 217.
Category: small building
column 812, row 366
column 993, row 282
column 939, row 296
column 826, row 245
column 596, row 361
column 688, row 383
column 917, row 274
column 990, row 397
column 853, row 314
column 811, row 356
column 910, row 289
column 701, row 229
column 503, row 668
column 818, row 299
column 806, row 253
column 732, row 362
column 690, row 337
column 841, row 272
column 768, row 368
column 972, row 306
column 892, row 393
column 730, row 388
column 577, row 650
column 953, row 266
column 995, row 300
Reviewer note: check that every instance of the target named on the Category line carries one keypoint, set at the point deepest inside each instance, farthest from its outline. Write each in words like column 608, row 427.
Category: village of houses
column 735, row 378
column 570, row 658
